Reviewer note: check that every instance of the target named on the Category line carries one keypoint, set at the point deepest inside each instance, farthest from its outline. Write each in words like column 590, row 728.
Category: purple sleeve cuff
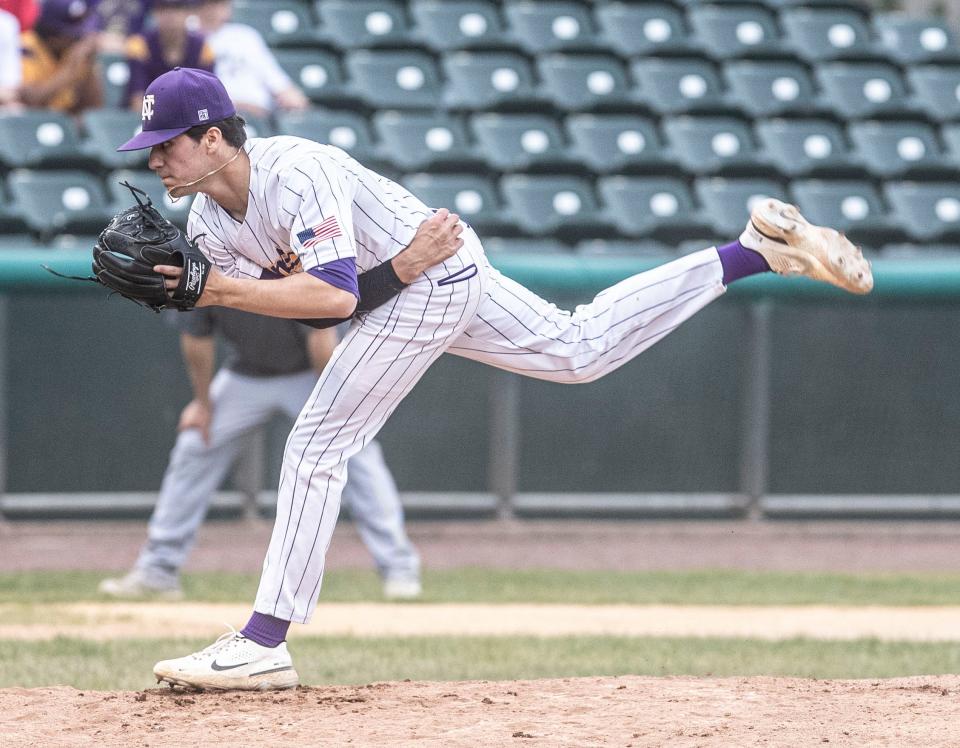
column 341, row 274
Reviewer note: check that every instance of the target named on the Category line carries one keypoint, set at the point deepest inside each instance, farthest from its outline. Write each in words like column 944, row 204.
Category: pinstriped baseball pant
column 466, row 308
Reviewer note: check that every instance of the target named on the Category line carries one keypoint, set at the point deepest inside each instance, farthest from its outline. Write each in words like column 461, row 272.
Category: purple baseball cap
column 175, row 102
column 72, row 18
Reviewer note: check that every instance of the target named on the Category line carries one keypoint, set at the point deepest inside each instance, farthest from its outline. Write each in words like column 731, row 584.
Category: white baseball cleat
column 138, row 586
column 402, row 589
column 793, row 246
column 232, row 662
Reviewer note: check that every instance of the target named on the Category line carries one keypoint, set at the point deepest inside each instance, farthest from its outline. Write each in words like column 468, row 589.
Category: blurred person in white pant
column 11, row 71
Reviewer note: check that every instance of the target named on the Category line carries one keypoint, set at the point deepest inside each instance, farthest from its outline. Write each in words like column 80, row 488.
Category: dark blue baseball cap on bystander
column 176, row 101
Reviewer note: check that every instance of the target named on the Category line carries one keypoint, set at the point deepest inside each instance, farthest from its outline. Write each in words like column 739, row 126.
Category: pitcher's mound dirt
column 624, row 711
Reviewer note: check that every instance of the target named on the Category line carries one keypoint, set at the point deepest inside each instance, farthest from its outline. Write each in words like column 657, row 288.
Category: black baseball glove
column 133, row 242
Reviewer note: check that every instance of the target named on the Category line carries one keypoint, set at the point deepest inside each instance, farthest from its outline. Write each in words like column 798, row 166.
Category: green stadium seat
column 624, row 248
column 652, row 207
column 401, row 80
column 727, row 202
column 347, row 130
column 19, row 241
column 770, row 88
column 735, row 31
column 105, row 130
column 283, row 23
column 706, row 145
column 806, row 146
column 495, row 245
column 828, row 34
column 851, row 206
column 950, row 136
column 585, row 82
column 673, row 86
column 114, row 74
column 58, row 202
column 446, row 25
column 520, row 142
column 472, row 197
column 256, row 125
column 912, row 40
column 11, row 222
column 613, row 142
column 860, row 90
column 489, row 80
column 317, row 73
column 41, row 138
column 641, row 30
column 424, row 141
column 176, row 210
column 890, row 149
column 937, row 90
column 928, row 210
column 545, row 26
column 561, row 205
column 364, row 24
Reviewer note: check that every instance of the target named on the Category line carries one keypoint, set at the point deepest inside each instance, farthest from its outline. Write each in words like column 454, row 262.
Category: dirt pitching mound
column 623, row 711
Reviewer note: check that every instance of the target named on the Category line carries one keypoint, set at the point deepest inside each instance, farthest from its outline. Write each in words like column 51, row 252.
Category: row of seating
column 569, row 82
column 397, row 142
column 48, row 203
column 660, row 28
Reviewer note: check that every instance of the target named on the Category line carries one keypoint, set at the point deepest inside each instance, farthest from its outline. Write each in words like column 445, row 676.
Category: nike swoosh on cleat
column 275, row 670
column 219, row 668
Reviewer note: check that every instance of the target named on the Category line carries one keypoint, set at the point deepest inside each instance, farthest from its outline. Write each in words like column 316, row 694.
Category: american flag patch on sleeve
column 329, row 228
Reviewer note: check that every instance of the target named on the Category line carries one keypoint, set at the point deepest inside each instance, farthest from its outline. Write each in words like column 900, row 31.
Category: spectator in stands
column 60, row 69
column 25, row 11
column 10, row 69
column 168, row 44
column 119, row 20
column 247, row 67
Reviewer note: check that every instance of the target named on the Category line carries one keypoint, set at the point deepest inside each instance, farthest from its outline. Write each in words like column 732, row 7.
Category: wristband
column 377, row 286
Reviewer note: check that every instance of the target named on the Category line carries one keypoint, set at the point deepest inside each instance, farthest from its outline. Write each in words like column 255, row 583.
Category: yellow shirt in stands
column 40, row 65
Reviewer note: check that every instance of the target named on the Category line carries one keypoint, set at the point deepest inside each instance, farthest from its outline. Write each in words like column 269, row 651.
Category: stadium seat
column 898, row 148
column 474, row 198
column 625, row 248
column 612, row 142
column 518, row 142
column 114, row 74
column 645, row 29
column 401, row 80
column 678, row 85
column 495, row 245
column 443, row 25
column 585, row 82
column 735, row 31
column 423, row 141
column 119, row 196
column 363, row 24
column 912, row 40
column 561, row 205
column 853, row 207
column 769, row 88
column 317, row 73
column 937, row 90
column 487, row 80
column 860, row 90
column 950, row 136
column 653, row 207
column 705, row 145
column 256, row 125
column 828, row 34
column 105, row 130
column 41, row 138
column 727, row 202
column 806, row 146
column 546, row 26
column 56, row 202
column 283, row 23
column 346, row 130
column 929, row 210
column 11, row 222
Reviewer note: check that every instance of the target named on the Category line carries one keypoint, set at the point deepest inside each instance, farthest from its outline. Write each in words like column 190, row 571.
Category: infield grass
column 127, row 665
column 719, row 587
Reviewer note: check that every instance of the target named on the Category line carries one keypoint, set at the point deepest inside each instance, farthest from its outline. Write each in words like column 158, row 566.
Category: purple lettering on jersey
column 340, row 273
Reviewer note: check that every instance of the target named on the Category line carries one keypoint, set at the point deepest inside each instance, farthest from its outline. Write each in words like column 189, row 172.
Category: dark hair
column 231, row 127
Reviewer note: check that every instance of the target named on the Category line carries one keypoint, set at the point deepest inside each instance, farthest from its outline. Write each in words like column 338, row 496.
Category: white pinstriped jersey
column 297, row 185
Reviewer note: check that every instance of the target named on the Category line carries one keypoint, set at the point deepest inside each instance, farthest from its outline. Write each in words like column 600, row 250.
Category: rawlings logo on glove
column 136, row 240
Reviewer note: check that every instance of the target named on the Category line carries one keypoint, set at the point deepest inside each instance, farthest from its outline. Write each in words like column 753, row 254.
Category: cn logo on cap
column 147, row 112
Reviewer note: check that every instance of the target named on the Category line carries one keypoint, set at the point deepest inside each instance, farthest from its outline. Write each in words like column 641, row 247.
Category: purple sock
column 739, row 262
column 265, row 630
